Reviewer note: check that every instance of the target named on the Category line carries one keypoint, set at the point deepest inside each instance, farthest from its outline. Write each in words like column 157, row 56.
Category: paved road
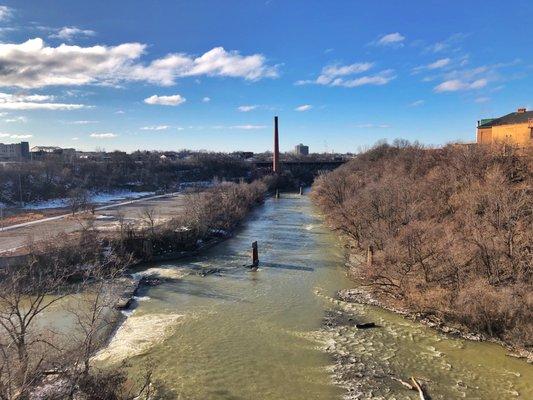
column 17, row 236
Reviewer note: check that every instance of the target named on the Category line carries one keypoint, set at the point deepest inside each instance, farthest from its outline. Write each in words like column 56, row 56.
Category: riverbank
column 362, row 295
column 446, row 233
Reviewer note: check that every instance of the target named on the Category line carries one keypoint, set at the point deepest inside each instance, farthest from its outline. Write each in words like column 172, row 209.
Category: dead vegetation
column 79, row 274
column 450, row 229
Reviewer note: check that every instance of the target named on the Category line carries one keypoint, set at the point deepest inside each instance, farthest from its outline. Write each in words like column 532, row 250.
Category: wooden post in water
column 369, row 255
column 255, row 255
column 301, row 190
column 277, row 193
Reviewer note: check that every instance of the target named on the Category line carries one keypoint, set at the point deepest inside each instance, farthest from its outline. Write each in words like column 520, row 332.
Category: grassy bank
column 449, row 229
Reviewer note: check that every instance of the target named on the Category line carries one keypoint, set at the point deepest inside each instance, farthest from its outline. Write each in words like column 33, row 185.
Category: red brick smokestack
column 275, row 160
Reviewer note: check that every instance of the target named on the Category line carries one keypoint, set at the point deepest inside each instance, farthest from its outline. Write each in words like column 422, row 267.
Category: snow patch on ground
column 96, row 198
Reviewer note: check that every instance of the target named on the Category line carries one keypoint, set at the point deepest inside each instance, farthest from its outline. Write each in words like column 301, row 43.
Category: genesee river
column 258, row 335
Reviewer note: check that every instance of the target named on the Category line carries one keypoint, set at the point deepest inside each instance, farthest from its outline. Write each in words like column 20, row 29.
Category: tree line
column 55, row 177
column 450, row 230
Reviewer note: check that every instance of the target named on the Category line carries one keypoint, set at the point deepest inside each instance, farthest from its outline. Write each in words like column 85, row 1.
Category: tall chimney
column 275, row 160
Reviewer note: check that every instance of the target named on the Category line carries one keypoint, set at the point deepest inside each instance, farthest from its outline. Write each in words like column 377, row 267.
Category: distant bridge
column 307, row 164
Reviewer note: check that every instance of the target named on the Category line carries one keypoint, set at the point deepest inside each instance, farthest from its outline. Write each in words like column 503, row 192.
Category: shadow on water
column 199, row 289
column 286, row 266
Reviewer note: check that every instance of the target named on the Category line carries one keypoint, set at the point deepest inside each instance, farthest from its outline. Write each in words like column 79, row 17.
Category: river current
column 239, row 334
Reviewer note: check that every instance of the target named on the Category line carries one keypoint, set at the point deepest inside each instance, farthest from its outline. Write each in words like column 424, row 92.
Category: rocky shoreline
column 362, row 296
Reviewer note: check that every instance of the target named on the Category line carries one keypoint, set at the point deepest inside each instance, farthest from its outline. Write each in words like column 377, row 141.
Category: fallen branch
column 404, row 383
column 419, row 388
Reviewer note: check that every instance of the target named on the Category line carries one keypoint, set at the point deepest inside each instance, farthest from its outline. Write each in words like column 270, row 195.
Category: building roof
column 509, row 119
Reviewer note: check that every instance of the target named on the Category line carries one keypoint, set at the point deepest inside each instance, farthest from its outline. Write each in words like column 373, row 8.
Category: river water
column 258, row 335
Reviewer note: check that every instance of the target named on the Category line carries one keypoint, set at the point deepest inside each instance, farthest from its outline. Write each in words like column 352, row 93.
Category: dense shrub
column 450, row 229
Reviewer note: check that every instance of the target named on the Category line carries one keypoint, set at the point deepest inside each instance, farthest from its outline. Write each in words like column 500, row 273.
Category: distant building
column 41, row 152
column 515, row 128
column 14, row 151
column 301, row 150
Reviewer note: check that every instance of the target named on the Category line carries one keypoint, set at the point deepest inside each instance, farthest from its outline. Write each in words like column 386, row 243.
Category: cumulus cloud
column 455, row 85
column 155, row 128
column 390, row 39
column 247, row 108
column 206, row 100
column 70, row 32
column 342, row 75
column 107, row 135
column 33, row 64
column 303, row 107
column 34, row 102
column 174, row 100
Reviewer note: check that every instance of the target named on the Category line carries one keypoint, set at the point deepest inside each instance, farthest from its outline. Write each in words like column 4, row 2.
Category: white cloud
column 381, row 78
column 441, row 63
column 33, row 64
column 417, row 103
column 303, row 107
column 373, row 126
column 247, row 127
column 482, row 99
column 16, row 119
column 103, row 135
column 174, row 100
column 75, row 138
column 391, row 39
column 34, row 102
column 15, row 136
column 70, row 32
column 155, row 128
column 247, row 108
column 341, row 75
column 450, row 44
column 454, row 85
column 5, row 13
column 83, row 122
column 333, row 72
column 206, row 100
column 120, row 112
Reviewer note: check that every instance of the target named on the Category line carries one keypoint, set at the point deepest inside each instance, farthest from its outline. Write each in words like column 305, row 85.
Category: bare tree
column 25, row 293
column 149, row 217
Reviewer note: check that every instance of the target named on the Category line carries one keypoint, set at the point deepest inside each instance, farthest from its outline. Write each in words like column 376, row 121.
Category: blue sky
column 167, row 75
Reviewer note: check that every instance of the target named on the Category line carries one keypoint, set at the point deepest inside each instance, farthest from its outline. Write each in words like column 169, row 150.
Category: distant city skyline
column 211, row 75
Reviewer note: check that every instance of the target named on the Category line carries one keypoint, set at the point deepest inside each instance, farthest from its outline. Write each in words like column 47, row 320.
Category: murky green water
column 257, row 335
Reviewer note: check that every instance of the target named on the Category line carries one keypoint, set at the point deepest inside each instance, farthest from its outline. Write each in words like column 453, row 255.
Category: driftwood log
column 419, row 388
column 413, row 386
